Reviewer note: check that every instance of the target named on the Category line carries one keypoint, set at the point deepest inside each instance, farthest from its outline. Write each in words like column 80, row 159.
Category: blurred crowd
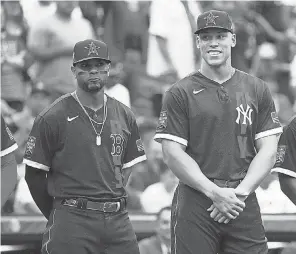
column 151, row 46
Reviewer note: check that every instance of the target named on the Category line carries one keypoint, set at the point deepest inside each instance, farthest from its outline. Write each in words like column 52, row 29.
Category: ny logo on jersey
column 246, row 114
column 117, row 144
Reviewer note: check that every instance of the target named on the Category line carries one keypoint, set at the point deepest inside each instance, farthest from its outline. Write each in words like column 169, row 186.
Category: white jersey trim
column 269, row 133
column 8, row 150
column 35, row 165
column 284, row 171
column 177, row 139
column 134, row 161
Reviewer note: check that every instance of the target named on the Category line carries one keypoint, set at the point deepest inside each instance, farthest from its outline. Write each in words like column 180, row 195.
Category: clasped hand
column 228, row 203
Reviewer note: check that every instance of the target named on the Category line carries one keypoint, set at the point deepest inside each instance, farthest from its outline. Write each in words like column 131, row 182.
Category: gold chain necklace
column 98, row 135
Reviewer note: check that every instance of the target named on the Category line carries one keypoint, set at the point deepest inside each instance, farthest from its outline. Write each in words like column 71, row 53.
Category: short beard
column 91, row 87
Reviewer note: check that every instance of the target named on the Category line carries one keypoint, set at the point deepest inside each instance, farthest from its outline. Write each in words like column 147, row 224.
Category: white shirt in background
column 169, row 20
column 120, row 93
column 156, row 197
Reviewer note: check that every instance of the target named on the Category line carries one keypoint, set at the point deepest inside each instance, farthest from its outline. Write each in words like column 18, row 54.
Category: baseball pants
column 72, row 230
column 195, row 232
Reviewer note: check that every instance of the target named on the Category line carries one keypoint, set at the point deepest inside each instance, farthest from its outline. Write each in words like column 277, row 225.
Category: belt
column 102, row 206
column 226, row 183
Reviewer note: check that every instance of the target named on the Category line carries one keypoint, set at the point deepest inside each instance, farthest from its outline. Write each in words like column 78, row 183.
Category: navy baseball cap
column 89, row 49
column 216, row 19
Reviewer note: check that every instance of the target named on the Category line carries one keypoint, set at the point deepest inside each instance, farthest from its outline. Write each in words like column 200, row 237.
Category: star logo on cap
column 92, row 49
column 211, row 19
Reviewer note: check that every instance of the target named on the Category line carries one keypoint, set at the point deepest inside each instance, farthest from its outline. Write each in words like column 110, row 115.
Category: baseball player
column 8, row 162
column 79, row 156
column 218, row 129
column 286, row 160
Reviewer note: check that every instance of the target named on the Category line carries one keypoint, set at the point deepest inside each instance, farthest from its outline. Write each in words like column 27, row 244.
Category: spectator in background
column 51, row 41
column 94, row 12
column 265, row 69
column 170, row 45
column 13, row 55
column 159, row 195
column 8, row 162
column 114, row 87
column 122, row 19
column 39, row 98
column 36, row 10
column 160, row 243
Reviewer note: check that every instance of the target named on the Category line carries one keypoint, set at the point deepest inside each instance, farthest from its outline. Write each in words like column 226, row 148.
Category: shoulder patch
column 30, row 146
column 9, row 133
column 280, row 155
column 140, row 145
column 162, row 121
column 275, row 117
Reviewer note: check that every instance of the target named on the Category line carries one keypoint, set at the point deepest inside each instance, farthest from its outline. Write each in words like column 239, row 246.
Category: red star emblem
column 211, row 19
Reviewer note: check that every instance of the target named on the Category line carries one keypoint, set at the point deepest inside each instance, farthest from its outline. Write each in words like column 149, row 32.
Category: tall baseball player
column 286, row 160
column 218, row 128
column 79, row 156
column 8, row 162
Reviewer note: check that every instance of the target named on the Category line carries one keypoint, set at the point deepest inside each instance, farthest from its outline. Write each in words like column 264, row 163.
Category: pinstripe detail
column 48, row 231
column 175, row 222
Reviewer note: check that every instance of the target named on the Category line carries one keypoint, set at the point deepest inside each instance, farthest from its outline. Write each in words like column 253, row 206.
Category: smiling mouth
column 214, row 52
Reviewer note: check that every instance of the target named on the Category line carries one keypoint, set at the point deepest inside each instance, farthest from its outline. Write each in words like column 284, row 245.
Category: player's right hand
column 228, row 204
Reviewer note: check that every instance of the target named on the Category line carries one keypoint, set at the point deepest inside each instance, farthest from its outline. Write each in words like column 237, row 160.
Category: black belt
column 226, row 183
column 102, row 206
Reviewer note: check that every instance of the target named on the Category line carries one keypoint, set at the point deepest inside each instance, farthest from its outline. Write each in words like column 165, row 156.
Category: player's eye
column 222, row 36
column 205, row 37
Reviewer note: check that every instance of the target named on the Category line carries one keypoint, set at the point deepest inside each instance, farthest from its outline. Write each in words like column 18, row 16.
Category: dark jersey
column 63, row 142
column 219, row 124
column 8, row 144
column 286, row 153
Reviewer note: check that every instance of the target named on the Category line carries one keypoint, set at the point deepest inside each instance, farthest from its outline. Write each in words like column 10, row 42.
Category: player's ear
column 73, row 71
column 233, row 38
column 197, row 42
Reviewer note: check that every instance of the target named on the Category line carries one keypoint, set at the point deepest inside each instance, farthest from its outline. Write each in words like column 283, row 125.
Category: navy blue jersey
column 63, row 142
column 219, row 123
column 8, row 144
column 286, row 153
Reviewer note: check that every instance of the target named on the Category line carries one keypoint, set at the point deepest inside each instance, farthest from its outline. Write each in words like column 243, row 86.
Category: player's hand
column 227, row 203
column 217, row 216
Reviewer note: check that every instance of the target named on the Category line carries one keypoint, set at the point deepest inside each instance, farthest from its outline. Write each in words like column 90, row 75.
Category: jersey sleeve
column 135, row 152
column 268, row 121
column 173, row 123
column 285, row 158
column 40, row 145
column 8, row 144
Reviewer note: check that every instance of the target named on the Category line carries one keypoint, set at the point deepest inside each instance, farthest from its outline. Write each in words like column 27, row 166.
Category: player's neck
column 219, row 74
column 91, row 100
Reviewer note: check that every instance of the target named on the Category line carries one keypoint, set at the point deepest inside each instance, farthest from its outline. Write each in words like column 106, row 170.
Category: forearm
column 37, row 183
column 189, row 172
column 47, row 54
column 162, row 43
column 8, row 177
column 259, row 168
